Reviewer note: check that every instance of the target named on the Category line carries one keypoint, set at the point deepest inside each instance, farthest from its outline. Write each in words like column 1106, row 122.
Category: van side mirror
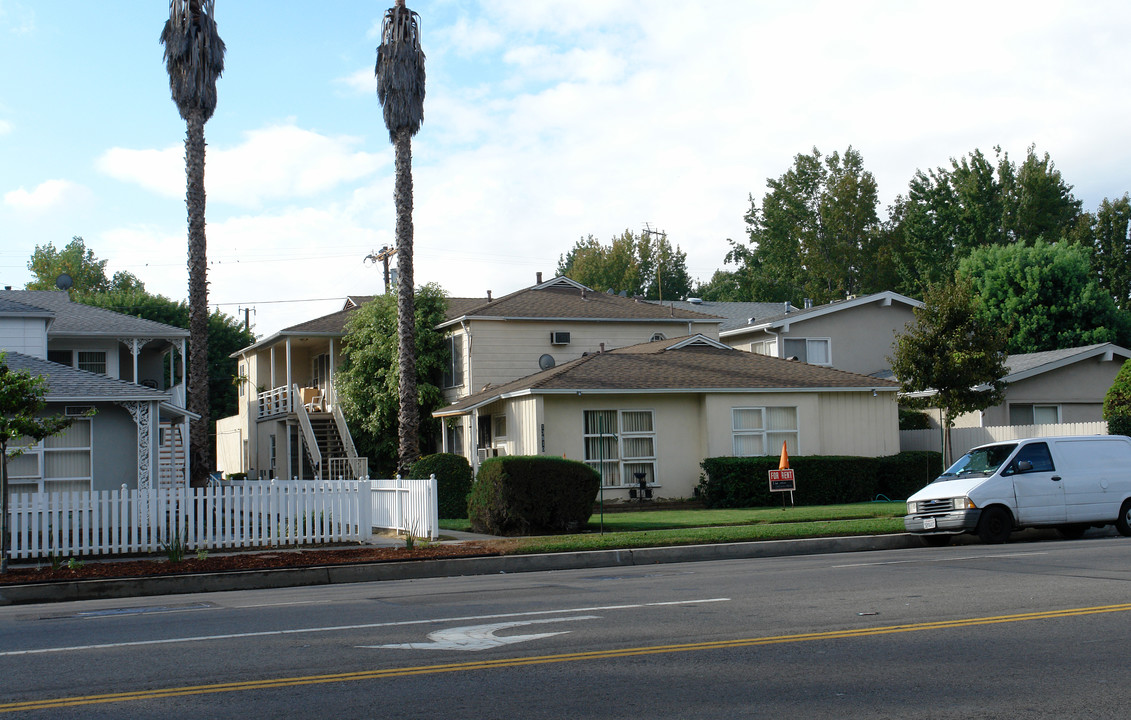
column 1024, row 466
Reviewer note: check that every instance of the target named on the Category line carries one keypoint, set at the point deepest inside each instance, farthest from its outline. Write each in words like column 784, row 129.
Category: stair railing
column 311, row 441
column 347, row 443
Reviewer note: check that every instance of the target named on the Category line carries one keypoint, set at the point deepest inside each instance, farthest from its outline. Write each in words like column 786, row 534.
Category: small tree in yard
column 1117, row 403
column 952, row 350
column 21, row 402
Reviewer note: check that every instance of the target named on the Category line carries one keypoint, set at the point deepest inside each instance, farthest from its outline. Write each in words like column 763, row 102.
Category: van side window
column 1038, row 455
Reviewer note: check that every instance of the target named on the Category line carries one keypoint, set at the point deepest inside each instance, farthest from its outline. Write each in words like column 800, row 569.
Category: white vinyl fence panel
column 220, row 516
column 964, row 438
column 410, row 506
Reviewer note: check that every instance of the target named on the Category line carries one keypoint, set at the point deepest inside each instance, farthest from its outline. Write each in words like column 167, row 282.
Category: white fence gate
column 410, row 506
column 964, row 438
column 217, row 517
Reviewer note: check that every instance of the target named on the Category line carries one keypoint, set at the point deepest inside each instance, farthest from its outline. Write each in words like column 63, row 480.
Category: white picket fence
column 224, row 516
column 410, row 506
column 964, row 438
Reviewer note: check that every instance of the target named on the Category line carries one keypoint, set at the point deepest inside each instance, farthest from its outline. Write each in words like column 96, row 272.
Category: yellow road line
column 285, row 682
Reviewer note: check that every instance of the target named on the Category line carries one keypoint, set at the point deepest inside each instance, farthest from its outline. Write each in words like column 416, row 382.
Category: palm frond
column 194, row 55
column 400, row 71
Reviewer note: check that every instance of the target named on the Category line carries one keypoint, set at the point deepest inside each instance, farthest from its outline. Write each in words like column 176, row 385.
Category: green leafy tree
column 1045, row 295
column 87, row 272
column 369, row 380
column 644, row 265
column 400, row 90
column 815, row 232
column 953, row 350
column 1107, row 233
column 974, row 203
column 21, row 416
column 1117, row 402
column 194, row 59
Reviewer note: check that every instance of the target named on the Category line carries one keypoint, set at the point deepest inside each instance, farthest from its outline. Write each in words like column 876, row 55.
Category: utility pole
column 382, row 256
column 659, row 261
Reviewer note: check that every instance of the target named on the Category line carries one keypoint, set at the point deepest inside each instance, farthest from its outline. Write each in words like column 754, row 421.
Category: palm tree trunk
column 199, row 437
column 409, row 411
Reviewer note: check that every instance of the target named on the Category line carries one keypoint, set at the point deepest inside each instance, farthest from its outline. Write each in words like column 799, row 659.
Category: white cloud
column 277, row 162
column 361, row 82
column 5, row 127
column 48, row 195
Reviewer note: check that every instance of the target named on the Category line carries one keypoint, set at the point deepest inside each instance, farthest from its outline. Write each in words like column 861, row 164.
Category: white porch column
column 290, row 383
column 331, row 396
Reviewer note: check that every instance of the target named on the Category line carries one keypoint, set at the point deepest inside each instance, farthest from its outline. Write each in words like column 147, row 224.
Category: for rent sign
column 782, row 481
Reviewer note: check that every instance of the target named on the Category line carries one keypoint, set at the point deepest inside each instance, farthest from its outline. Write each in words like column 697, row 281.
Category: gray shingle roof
column 67, row 384
column 1030, row 362
column 11, row 307
column 737, row 314
column 796, row 315
column 696, row 367
column 77, row 320
column 569, row 303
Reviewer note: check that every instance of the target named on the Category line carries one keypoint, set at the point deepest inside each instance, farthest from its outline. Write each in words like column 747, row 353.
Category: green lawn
column 688, row 527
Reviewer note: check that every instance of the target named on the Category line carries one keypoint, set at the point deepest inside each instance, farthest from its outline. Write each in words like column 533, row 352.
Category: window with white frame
column 92, row 361
column 621, row 445
column 814, row 351
column 762, row 430
column 60, row 463
column 241, row 380
column 765, row 347
column 453, row 371
column 498, row 426
column 1031, row 414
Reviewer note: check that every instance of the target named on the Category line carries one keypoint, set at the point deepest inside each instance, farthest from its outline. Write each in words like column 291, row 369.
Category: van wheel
column 995, row 526
column 1072, row 532
column 936, row 540
column 1123, row 522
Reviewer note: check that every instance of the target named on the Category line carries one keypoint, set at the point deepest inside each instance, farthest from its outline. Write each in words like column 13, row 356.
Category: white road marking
column 339, row 628
column 481, row 637
column 942, row 559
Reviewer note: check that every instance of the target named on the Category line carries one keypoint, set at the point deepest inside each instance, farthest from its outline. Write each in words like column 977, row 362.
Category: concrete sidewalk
column 58, row 591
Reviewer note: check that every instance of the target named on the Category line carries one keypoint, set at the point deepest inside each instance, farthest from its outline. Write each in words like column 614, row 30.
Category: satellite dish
column 64, row 282
column 546, row 361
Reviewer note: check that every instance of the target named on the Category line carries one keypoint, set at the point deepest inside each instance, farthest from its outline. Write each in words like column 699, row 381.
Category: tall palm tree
column 194, row 57
column 400, row 90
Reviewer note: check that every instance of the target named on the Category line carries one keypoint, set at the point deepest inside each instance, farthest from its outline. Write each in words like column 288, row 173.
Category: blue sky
column 545, row 121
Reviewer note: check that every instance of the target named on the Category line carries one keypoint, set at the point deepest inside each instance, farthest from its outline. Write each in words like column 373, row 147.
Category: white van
column 1069, row 483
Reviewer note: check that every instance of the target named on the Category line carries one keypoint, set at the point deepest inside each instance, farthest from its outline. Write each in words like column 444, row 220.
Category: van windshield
column 980, row 461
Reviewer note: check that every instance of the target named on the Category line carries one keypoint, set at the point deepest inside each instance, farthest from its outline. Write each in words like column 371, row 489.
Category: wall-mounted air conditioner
column 559, row 338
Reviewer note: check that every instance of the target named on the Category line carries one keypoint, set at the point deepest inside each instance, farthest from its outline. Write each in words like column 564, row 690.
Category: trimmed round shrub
column 453, row 481
column 523, row 495
column 1117, row 402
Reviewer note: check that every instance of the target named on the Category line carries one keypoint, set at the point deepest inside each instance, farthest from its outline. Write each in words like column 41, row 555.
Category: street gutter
column 69, row 590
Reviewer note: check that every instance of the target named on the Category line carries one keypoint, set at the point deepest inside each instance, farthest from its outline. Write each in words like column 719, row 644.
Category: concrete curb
column 452, row 567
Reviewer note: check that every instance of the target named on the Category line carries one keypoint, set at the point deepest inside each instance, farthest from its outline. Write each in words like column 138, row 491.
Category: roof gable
column 1027, row 365
column 784, row 320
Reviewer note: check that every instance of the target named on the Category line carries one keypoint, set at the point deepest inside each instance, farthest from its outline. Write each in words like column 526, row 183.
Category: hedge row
column 821, row 480
column 520, row 495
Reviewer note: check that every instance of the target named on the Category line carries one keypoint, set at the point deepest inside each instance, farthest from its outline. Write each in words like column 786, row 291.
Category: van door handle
column 1055, row 478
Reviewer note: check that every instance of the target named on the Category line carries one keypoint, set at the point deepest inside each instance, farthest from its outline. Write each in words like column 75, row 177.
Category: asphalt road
column 1035, row 630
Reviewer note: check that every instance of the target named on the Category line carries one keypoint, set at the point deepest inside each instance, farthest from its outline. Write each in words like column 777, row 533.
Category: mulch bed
column 90, row 569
